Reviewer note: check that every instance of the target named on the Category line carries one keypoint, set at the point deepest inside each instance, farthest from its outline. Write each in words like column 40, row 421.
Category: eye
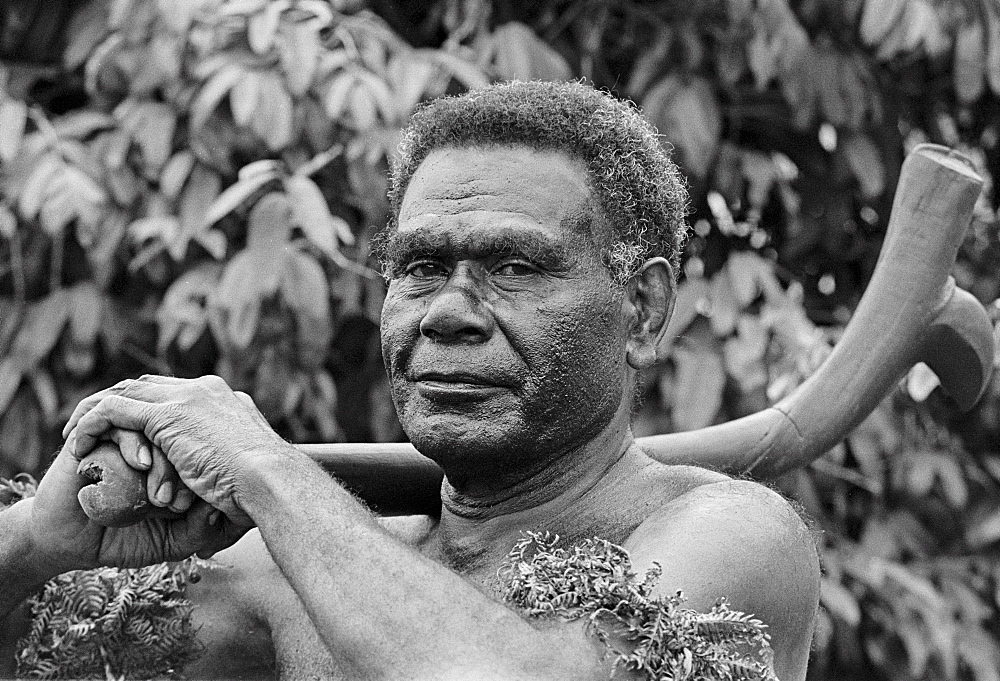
column 515, row 269
column 426, row 270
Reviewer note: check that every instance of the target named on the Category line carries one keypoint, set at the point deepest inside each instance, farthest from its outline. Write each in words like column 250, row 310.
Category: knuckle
column 213, row 382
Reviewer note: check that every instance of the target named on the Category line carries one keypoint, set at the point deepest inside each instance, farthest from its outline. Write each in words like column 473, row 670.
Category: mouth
column 456, row 386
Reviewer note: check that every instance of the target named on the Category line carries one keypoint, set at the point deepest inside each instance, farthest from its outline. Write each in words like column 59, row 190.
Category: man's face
column 503, row 335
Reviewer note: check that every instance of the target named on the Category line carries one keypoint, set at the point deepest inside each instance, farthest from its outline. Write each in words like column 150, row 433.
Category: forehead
column 525, row 185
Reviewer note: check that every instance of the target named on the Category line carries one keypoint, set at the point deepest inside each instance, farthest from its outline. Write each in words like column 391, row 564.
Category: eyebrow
column 400, row 249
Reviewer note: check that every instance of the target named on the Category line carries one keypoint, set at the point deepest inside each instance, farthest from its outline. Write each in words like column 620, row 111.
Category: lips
column 458, row 386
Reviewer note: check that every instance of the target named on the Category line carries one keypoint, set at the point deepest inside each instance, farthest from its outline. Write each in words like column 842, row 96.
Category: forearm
column 20, row 574
column 385, row 607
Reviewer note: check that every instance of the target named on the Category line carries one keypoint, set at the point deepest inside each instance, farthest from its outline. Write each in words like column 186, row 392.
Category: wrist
column 269, row 477
column 35, row 565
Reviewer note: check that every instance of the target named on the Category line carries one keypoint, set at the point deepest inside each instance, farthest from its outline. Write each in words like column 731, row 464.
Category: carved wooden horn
column 911, row 312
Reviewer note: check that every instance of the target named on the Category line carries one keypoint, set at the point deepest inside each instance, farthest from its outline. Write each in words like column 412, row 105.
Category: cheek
column 399, row 328
column 580, row 359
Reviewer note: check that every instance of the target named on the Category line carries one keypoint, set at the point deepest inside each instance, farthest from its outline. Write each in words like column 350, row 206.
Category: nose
column 457, row 313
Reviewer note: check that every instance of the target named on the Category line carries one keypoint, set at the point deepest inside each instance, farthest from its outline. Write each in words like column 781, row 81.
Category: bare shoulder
column 742, row 541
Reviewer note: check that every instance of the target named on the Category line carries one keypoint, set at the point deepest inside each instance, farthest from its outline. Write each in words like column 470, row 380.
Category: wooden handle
column 910, row 312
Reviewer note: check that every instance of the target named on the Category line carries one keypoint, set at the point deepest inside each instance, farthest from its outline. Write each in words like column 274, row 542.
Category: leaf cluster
column 648, row 634
column 107, row 623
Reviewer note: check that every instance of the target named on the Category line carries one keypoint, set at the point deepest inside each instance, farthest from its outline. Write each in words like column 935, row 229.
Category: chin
column 449, row 438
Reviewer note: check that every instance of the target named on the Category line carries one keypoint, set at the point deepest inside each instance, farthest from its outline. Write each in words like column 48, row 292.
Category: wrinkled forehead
column 548, row 187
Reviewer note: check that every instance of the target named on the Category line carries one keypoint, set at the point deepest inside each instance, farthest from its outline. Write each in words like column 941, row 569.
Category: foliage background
column 192, row 188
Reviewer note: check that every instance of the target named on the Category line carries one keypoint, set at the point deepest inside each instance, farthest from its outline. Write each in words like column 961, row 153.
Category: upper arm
column 742, row 541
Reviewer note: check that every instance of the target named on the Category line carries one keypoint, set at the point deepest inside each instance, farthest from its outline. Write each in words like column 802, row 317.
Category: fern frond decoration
column 654, row 635
column 108, row 623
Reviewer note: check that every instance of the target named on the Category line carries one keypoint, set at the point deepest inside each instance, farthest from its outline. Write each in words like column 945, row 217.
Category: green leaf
column 649, row 62
column 153, row 130
column 175, row 173
column 313, row 216
column 250, row 277
column 746, row 269
column 177, row 14
column 981, row 533
column 244, row 96
column 59, row 208
column 13, row 116
column 41, row 328
column 82, row 123
column 235, row 195
column 86, row 306
column 46, row 394
column 840, row 602
column 213, row 241
column 162, row 227
column 519, row 54
column 305, row 289
column 692, row 300
column 688, row 115
column 744, row 353
column 701, row 377
column 992, row 27
column 183, row 313
column 335, row 100
column 465, row 72
column 385, row 100
column 262, row 27
column 11, row 373
column 969, row 66
column 213, row 91
column 273, row 122
column 724, row 305
column 865, row 161
column 37, row 186
column 952, row 479
column 8, row 221
column 270, row 224
column 87, row 29
column 199, row 195
column 410, row 77
column 298, row 52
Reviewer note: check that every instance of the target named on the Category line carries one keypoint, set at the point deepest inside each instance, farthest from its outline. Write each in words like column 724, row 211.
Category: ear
column 652, row 294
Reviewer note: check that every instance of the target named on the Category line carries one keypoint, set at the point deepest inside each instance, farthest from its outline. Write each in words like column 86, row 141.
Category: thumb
column 209, row 531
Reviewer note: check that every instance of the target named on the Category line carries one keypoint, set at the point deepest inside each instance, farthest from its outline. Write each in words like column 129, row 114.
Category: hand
column 163, row 486
column 64, row 538
column 211, row 435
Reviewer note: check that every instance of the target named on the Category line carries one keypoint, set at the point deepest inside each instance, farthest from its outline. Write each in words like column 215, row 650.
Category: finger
column 183, row 499
column 82, row 407
column 135, row 448
column 245, row 399
column 113, row 411
column 162, row 380
column 121, row 387
column 162, row 481
column 208, row 531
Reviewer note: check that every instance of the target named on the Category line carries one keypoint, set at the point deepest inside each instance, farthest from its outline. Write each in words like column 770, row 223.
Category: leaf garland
column 654, row 635
column 107, row 623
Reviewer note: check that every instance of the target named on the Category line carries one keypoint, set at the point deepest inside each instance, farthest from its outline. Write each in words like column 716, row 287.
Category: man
column 530, row 258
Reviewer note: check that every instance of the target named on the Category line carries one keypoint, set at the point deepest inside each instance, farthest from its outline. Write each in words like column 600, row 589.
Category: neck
column 475, row 523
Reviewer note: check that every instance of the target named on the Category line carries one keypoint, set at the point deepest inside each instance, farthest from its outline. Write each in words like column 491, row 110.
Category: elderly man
column 530, row 257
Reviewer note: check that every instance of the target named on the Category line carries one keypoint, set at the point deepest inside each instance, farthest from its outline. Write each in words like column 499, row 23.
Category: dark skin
column 512, row 357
